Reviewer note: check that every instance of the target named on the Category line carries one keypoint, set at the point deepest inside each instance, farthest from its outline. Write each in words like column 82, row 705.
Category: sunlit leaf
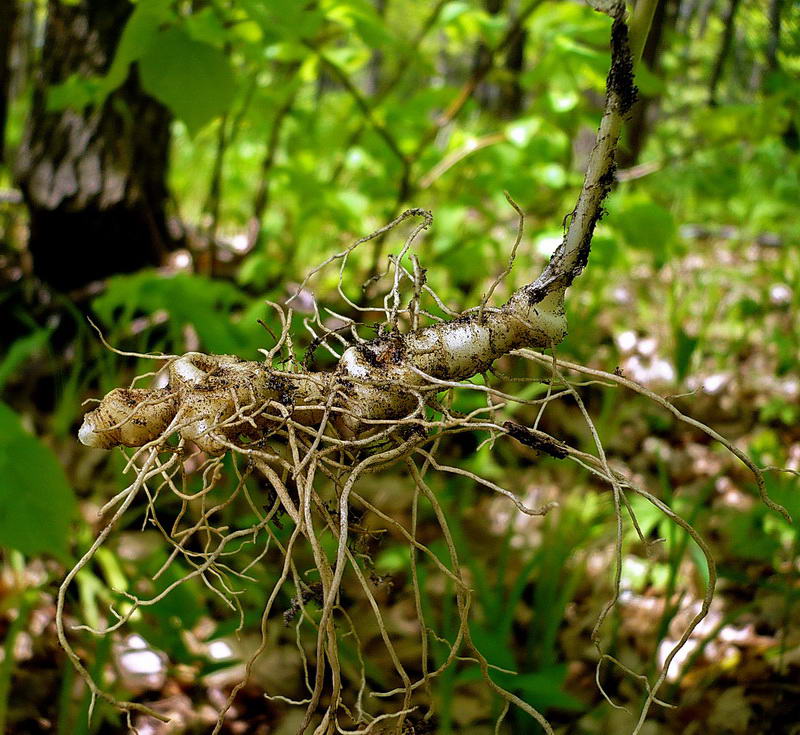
column 522, row 130
column 194, row 79
column 685, row 346
column 646, row 226
column 452, row 11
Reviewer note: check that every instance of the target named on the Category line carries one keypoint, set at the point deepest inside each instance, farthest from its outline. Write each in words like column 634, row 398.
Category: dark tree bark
column 639, row 123
column 486, row 92
column 791, row 137
column 375, row 66
column 8, row 22
column 511, row 93
column 93, row 179
column 502, row 95
column 724, row 50
column 774, row 38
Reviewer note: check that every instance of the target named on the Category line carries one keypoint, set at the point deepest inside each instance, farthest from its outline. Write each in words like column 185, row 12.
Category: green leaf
column 563, row 99
column 285, row 19
column 137, row 37
column 206, row 26
column 551, row 175
column 466, row 261
column 188, row 299
column 521, row 131
column 684, row 349
column 543, row 689
column 36, row 502
column 605, row 252
column 785, row 489
column 747, row 537
column 361, row 18
column 75, row 92
column 700, row 562
column 648, row 83
column 492, row 27
column 20, row 351
column 452, row 11
column 647, row 226
column 562, row 91
column 192, row 78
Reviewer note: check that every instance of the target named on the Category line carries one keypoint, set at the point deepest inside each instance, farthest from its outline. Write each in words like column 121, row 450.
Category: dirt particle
column 620, row 77
column 536, row 440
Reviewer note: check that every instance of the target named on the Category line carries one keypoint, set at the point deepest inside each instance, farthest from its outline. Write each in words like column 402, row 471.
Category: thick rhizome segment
column 380, row 379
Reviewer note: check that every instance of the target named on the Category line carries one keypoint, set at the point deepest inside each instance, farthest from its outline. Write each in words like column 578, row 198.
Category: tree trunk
column 93, row 179
column 724, row 50
column 374, row 80
column 486, row 92
column 774, row 38
column 8, row 18
column 645, row 110
column 502, row 95
column 511, row 92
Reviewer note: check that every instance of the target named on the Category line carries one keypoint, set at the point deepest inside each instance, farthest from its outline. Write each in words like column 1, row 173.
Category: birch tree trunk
column 93, row 179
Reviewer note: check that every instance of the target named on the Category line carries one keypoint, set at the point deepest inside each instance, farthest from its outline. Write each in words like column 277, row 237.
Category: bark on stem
column 572, row 254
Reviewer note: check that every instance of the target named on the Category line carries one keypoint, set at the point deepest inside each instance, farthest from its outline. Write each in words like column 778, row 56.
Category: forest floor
column 738, row 672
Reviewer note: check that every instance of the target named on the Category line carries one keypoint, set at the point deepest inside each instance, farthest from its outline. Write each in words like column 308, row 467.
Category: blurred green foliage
column 36, row 502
